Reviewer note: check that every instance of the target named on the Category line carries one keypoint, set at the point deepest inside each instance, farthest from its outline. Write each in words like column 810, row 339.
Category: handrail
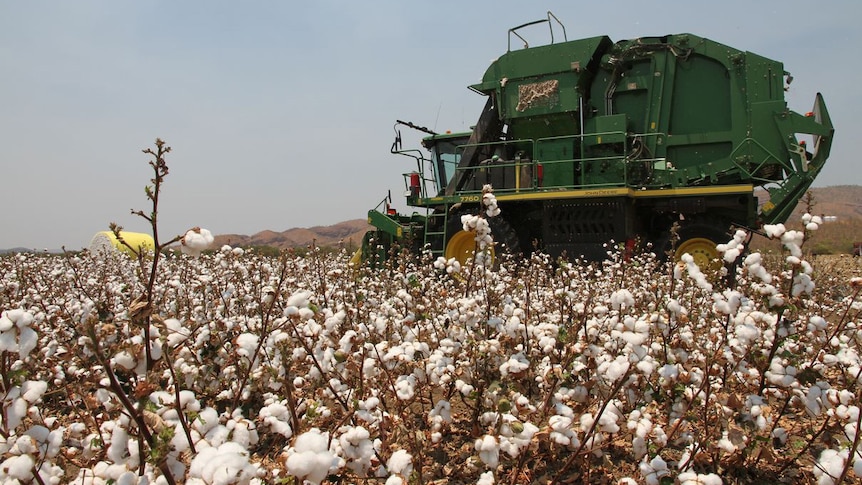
column 514, row 30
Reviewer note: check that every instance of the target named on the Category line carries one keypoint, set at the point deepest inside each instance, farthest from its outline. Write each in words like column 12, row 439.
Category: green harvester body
column 591, row 141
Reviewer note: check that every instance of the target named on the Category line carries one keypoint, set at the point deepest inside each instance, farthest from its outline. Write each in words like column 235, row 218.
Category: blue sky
column 280, row 114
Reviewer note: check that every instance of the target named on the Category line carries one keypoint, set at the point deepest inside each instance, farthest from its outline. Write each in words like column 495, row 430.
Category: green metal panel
column 557, row 159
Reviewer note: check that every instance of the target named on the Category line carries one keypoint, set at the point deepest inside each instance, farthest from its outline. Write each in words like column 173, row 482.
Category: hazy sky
column 280, row 114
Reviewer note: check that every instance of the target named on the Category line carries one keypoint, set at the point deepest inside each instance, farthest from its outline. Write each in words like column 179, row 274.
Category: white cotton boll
column 614, row 370
column 300, row 299
column 198, row 238
column 793, row 240
column 18, row 467
column 243, row 432
column 816, row 323
column 312, row 440
column 119, row 447
column 774, row 230
column 310, row 458
column 54, row 442
column 6, row 324
column 25, row 445
column 802, row 283
column 829, row 466
column 195, row 241
column 811, row 226
column 731, row 254
column 306, row 314
column 207, row 420
column 177, row 334
column 725, row 444
column 217, row 435
column 22, row 318
column 400, row 463
column 486, row 478
column 225, row 464
column 32, row 391
column 247, row 344
column 489, row 450
column 131, row 478
column 693, row 478
column 394, row 480
column 15, row 413
column 126, row 360
column 654, row 470
column 622, row 299
column 405, row 387
column 515, row 365
column 27, row 341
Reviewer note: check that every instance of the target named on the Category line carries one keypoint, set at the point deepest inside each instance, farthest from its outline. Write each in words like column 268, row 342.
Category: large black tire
column 460, row 244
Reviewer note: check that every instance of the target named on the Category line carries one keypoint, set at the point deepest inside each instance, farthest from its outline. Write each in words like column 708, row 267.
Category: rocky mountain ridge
column 348, row 233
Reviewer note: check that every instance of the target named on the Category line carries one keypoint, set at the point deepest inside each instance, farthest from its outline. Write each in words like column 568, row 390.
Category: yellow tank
column 106, row 241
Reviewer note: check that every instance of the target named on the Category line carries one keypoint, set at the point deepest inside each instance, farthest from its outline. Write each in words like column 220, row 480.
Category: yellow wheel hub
column 703, row 251
column 462, row 247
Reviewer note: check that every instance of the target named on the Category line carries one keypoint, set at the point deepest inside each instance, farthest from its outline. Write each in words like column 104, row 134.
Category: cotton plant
column 479, row 225
column 33, row 450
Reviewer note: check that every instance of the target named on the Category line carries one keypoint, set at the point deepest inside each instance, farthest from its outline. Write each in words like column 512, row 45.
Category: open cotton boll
column 692, row 478
column 516, row 364
column 246, row 344
column 357, row 448
column 773, row 230
column 829, row 466
column 310, row 458
column 277, row 417
column 196, row 240
column 16, row 334
column 405, row 387
column 300, row 299
column 226, row 464
column 32, row 391
column 489, row 450
column 177, row 334
column 18, row 467
column 400, row 463
column 654, row 470
column 486, row 478
column 734, row 248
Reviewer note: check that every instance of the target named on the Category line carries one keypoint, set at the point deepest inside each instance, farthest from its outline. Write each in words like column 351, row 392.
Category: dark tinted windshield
column 446, row 156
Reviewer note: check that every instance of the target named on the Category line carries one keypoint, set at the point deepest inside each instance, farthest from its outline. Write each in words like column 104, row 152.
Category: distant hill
column 842, row 202
column 842, row 206
column 348, row 233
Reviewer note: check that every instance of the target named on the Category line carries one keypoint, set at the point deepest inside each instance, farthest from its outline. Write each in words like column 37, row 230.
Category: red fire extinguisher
column 414, row 184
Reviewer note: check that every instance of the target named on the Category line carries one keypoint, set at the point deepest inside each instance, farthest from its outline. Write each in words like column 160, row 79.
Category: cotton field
column 245, row 369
